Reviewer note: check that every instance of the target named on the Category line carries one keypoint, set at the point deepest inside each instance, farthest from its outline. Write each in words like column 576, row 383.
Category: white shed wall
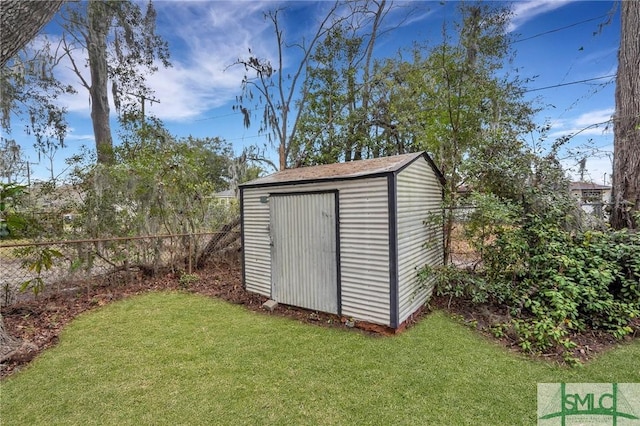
column 418, row 193
column 364, row 243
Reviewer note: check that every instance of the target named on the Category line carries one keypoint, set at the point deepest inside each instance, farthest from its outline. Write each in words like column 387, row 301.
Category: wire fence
column 30, row 268
column 463, row 255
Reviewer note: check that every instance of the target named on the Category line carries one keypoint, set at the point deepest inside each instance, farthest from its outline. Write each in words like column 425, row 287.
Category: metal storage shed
column 344, row 238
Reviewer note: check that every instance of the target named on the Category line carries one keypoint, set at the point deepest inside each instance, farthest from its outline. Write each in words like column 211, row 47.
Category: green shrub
column 452, row 282
column 553, row 281
column 187, row 279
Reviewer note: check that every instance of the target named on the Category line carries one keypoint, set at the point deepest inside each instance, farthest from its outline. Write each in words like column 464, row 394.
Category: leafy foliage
column 158, row 185
column 12, row 161
column 118, row 41
column 11, row 222
column 454, row 100
column 37, row 259
column 30, row 92
column 552, row 279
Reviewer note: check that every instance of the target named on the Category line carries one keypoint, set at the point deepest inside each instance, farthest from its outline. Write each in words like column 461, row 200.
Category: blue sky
column 205, row 37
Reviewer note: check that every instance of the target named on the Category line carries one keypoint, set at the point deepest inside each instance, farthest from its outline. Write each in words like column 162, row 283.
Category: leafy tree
column 465, row 111
column 215, row 156
column 30, row 91
column 118, row 42
column 324, row 134
column 12, row 163
column 159, row 185
column 626, row 149
column 453, row 100
column 10, row 219
column 279, row 98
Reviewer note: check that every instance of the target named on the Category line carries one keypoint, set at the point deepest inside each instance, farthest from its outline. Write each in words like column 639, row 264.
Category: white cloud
column 594, row 117
column 211, row 36
column 72, row 136
column 524, row 11
column 591, row 123
column 204, row 39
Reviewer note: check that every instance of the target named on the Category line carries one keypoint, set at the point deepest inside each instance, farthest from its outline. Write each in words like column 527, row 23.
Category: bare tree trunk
column 20, row 22
column 363, row 128
column 97, row 51
column 8, row 344
column 626, row 147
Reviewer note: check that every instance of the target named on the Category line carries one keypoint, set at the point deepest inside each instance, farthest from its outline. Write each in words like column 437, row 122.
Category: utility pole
column 29, row 172
column 143, row 100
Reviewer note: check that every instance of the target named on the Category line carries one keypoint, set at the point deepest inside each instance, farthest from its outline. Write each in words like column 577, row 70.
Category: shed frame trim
column 393, row 251
column 244, row 259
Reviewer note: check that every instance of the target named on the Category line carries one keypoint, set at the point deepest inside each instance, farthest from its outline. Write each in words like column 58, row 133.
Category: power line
column 219, row 116
column 559, row 29
column 513, row 42
column 244, row 137
column 567, row 84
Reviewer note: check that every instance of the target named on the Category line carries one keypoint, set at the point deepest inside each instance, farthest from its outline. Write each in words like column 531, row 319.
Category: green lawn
column 173, row 358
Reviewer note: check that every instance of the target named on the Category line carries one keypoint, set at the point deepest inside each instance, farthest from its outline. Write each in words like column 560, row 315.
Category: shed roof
column 348, row 170
column 227, row 193
column 587, row 186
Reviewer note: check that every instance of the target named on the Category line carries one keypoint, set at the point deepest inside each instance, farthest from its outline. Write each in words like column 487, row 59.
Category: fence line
column 95, row 240
column 56, row 265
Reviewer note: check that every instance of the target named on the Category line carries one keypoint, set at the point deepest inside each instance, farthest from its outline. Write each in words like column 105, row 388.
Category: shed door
column 303, row 251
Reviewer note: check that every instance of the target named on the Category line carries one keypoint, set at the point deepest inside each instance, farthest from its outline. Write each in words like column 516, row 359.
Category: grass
column 173, row 358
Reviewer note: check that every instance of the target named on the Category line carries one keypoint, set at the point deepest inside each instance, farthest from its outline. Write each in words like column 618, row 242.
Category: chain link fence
column 463, row 255
column 30, row 268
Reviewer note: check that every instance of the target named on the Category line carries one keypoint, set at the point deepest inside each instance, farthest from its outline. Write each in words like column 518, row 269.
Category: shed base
column 388, row 330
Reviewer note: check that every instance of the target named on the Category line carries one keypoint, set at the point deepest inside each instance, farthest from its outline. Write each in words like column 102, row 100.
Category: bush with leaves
column 554, row 283
column 11, row 223
column 158, row 185
column 553, row 275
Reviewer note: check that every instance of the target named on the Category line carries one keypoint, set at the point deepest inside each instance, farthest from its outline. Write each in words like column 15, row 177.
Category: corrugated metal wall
column 364, row 243
column 303, row 253
column 364, row 249
column 418, row 193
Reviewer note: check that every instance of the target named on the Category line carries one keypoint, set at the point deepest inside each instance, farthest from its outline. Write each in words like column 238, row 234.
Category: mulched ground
column 590, row 343
column 38, row 322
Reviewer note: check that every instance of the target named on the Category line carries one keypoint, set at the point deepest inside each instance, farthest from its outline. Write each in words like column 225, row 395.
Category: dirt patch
column 38, row 322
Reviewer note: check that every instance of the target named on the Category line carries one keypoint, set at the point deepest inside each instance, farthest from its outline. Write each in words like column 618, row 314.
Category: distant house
column 590, row 193
column 591, row 196
column 226, row 196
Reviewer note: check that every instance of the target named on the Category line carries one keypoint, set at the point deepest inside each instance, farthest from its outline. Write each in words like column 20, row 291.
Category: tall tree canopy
column 117, row 40
column 280, row 97
column 454, row 100
column 626, row 129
